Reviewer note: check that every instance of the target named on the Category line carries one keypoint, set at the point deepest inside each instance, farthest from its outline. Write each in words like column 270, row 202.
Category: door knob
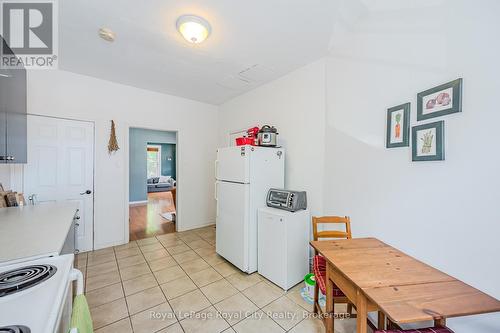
column 86, row 192
column 32, row 199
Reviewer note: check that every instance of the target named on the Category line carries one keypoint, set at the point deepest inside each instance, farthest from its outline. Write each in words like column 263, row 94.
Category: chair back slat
column 331, row 219
column 345, row 220
column 332, row 234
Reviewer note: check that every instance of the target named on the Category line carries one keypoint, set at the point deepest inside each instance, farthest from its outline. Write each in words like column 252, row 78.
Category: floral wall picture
column 398, row 126
column 440, row 100
column 428, row 142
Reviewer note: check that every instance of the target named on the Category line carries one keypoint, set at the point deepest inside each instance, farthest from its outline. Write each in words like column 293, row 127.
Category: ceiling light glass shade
column 193, row 28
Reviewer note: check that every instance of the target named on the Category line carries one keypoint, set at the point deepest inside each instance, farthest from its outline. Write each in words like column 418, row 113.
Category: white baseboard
column 138, row 203
column 107, row 245
column 197, row 226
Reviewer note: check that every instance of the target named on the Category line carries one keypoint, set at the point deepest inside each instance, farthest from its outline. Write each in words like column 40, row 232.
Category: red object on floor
column 319, row 269
column 420, row 330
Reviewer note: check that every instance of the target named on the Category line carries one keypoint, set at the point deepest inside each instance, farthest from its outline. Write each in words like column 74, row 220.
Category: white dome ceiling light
column 194, row 29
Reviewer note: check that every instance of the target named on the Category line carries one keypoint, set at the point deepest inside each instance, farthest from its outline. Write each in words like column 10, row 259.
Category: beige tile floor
column 177, row 283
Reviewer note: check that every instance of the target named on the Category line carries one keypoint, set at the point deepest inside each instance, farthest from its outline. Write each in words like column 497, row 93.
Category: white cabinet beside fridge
column 244, row 174
column 283, row 246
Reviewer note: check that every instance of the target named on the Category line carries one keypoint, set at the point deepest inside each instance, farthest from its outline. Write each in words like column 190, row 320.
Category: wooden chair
column 331, row 233
column 319, row 263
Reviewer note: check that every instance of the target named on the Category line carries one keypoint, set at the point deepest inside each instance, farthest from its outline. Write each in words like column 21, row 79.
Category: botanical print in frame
column 398, row 126
column 440, row 100
column 428, row 142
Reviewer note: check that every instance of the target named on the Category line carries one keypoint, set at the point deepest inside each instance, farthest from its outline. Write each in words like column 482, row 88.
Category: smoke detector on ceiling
column 107, row 34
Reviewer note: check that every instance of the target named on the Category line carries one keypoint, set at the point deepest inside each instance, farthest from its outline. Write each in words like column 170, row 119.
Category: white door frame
column 93, row 165
column 127, row 175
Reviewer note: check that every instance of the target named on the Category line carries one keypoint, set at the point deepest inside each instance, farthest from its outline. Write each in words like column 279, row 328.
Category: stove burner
column 15, row 329
column 23, row 278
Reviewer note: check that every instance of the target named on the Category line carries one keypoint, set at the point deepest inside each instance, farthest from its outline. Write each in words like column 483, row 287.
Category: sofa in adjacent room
column 160, row 184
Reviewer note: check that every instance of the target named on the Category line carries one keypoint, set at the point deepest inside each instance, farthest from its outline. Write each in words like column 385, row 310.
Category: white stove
column 36, row 296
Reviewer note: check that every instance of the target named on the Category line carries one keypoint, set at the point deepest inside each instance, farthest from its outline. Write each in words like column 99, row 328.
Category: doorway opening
column 152, row 182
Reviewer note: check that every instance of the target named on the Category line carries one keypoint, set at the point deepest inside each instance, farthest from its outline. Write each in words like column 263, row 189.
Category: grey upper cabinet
column 13, row 115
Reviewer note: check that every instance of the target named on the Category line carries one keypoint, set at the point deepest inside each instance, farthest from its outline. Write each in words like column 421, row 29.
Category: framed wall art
column 428, row 142
column 440, row 100
column 398, row 126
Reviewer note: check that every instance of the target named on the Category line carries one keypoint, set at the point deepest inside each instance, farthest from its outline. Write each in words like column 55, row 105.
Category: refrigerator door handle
column 215, row 167
column 217, row 201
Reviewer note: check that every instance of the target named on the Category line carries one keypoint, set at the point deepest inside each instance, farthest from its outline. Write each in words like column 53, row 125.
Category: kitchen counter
column 34, row 231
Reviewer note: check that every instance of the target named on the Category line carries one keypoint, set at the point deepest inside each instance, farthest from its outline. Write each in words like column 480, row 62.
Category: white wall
column 444, row 213
column 295, row 104
column 11, row 177
column 5, row 176
column 69, row 95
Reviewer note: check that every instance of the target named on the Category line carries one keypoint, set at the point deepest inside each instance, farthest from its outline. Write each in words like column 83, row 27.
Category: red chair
column 319, row 269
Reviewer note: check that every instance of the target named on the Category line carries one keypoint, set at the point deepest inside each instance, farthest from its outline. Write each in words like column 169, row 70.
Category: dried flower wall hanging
column 113, row 143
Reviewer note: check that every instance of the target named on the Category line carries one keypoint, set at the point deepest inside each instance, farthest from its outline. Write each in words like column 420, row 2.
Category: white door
column 233, row 164
column 61, row 168
column 232, row 223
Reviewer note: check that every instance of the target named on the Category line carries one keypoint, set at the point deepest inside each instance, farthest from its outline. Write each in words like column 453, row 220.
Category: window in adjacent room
column 154, row 161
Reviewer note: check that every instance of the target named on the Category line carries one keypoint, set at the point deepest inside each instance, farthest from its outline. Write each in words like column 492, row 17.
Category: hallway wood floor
column 146, row 221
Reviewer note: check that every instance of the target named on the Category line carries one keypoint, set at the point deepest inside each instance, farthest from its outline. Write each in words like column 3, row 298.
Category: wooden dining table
column 378, row 277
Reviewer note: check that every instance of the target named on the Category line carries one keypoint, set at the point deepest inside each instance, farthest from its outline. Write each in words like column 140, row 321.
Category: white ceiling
column 277, row 35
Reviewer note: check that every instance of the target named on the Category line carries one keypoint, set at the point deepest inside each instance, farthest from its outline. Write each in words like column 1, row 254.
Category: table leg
column 329, row 303
column 316, row 298
column 440, row 322
column 381, row 321
column 361, row 309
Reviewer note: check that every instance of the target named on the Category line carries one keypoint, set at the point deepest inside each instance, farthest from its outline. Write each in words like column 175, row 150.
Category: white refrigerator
column 244, row 174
